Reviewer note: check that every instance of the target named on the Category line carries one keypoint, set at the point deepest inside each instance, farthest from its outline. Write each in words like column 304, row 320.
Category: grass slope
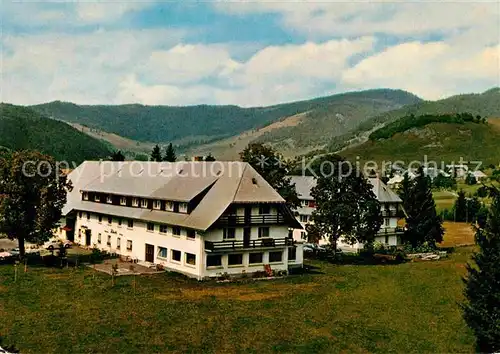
column 438, row 141
column 196, row 124
column 22, row 128
column 356, row 309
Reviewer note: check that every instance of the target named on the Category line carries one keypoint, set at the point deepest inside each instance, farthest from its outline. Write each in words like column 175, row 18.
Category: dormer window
column 97, row 198
column 109, row 199
column 135, row 202
column 169, row 206
column 157, row 204
column 123, row 201
column 183, row 207
column 85, row 196
column 144, row 203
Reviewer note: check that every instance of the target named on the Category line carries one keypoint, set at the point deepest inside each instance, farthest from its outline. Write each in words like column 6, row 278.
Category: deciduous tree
column 274, row 168
column 32, row 194
column 346, row 206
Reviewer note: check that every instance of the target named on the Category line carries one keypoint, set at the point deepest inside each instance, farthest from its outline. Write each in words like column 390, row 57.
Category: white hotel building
column 392, row 212
column 197, row 218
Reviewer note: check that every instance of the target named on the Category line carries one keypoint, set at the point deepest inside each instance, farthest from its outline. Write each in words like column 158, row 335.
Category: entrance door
column 88, row 237
column 150, row 250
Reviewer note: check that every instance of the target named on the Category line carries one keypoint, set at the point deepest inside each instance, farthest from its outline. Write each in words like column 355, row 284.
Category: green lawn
column 403, row 308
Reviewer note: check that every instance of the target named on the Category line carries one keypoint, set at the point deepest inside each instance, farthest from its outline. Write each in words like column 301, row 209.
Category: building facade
column 392, row 212
column 201, row 219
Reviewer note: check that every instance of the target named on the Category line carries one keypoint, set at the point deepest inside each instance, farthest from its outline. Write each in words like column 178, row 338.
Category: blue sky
column 245, row 53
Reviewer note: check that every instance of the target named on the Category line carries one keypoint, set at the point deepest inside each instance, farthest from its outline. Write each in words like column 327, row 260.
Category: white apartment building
column 197, row 218
column 392, row 212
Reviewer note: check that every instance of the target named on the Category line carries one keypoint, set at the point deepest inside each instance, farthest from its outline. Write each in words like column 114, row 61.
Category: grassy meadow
column 410, row 307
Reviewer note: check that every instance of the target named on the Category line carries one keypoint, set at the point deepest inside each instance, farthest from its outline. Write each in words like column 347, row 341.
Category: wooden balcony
column 229, row 245
column 392, row 213
column 234, row 220
column 391, row 231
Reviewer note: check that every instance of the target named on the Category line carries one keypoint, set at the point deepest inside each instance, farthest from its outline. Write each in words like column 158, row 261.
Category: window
column 80, row 214
column 119, row 222
column 191, row 234
column 129, row 245
column 85, row 196
column 157, row 204
column 387, row 239
column 110, row 220
column 303, row 235
column 275, row 256
column 99, row 218
column 109, row 241
column 214, row 260
column 263, row 232
column 304, row 203
column 118, row 242
column 144, row 203
column 123, row 201
column 99, row 238
column 135, row 202
column 88, row 216
column 229, row 233
column 176, row 230
column 176, row 255
column 235, row 259
column 190, row 258
column 183, row 207
column 151, row 226
column 163, row 229
column 130, row 223
column 265, row 209
column 303, row 218
column 255, row 258
column 97, row 198
column 109, row 199
column 169, row 206
column 162, row 252
column 292, row 253
column 387, row 222
column 290, row 233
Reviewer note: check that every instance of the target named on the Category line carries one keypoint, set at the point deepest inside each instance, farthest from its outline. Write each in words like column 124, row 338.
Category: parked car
column 313, row 247
column 53, row 245
column 5, row 255
column 14, row 252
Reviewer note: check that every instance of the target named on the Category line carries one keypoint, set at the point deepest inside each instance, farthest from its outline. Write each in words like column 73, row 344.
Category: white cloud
column 430, row 70
column 85, row 68
column 400, row 18
column 187, row 63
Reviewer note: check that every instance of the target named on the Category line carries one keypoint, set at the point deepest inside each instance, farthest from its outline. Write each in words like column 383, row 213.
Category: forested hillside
column 436, row 141
column 23, row 128
column 196, row 124
column 486, row 105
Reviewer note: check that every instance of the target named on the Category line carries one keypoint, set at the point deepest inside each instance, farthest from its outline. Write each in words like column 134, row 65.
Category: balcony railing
column 232, row 220
column 390, row 231
column 228, row 245
column 392, row 213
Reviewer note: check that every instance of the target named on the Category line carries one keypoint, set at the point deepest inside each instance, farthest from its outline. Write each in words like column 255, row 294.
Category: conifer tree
column 423, row 223
column 170, row 154
column 482, row 284
column 460, row 207
column 156, row 154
